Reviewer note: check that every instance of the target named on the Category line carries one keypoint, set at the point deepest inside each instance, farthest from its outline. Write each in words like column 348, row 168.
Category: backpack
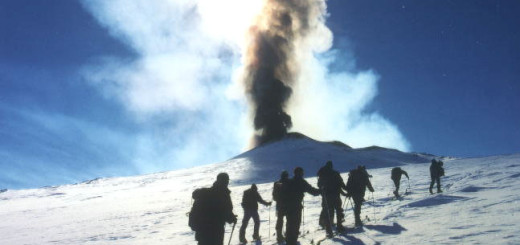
column 197, row 215
column 288, row 192
column 350, row 182
column 277, row 188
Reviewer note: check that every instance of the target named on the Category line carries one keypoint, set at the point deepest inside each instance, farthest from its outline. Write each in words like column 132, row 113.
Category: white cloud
column 188, row 55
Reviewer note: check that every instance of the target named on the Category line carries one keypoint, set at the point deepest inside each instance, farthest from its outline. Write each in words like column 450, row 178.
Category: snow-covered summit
column 299, row 150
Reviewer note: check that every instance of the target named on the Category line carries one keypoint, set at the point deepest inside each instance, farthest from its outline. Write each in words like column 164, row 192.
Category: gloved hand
column 234, row 220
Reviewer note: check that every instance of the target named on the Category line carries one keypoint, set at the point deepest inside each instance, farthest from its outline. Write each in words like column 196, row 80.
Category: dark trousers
column 397, row 183
column 248, row 214
column 358, row 201
column 214, row 236
column 280, row 213
column 294, row 219
column 330, row 205
column 438, row 180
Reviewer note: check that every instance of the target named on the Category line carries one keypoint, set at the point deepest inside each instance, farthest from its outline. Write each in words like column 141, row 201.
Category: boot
column 242, row 237
column 280, row 238
column 439, row 190
column 431, row 192
column 256, row 237
column 396, row 194
column 340, row 228
column 359, row 223
column 243, row 240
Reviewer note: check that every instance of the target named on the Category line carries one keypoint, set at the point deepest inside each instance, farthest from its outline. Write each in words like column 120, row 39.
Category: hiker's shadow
column 351, row 240
column 387, row 229
column 436, row 200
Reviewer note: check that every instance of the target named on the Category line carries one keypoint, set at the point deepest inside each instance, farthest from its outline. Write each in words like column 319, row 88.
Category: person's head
column 222, row 179
column 298, row 172
column 363, row 170
column 284, row 175
column 434, row 161
column 328, row 164
column 253, row 187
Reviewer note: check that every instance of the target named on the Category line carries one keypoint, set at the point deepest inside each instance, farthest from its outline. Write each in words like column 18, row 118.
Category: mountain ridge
column 297, row 149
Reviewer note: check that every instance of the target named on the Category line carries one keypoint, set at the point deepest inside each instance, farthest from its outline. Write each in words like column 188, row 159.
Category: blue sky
column 433, row 76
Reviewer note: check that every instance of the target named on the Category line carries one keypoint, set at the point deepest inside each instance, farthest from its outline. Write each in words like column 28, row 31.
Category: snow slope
column 479, row 203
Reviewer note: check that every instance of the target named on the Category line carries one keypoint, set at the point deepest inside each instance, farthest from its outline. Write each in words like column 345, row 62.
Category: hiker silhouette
column 294, row 192
column 331, row 185
column 436, row 171
column 212, row 208
column 397, row 172
column 250, row 201
column 281, row 205
column 358, row 181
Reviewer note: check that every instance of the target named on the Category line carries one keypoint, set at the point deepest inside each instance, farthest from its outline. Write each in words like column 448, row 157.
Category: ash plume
column 271, row 62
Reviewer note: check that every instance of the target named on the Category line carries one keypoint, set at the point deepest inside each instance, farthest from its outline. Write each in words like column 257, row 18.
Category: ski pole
column 328, row 211
column 408, row 185
column 269, row 221
column 303, row 215
column 374, row 205
column 231, row 235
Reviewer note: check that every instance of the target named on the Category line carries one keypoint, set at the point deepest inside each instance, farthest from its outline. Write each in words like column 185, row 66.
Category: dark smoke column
column 271, row 62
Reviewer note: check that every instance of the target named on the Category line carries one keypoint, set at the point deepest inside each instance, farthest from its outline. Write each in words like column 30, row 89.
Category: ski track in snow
column 480, row 204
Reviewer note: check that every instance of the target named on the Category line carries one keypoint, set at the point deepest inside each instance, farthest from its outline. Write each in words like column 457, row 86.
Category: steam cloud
column 195, row 58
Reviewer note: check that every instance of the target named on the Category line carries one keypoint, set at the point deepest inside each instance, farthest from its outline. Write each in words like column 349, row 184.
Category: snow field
column 479, row 206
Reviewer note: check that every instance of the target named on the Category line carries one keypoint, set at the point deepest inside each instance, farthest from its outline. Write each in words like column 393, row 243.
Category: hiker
column 358, row 181
column 294, row 192
column 331, row 185
column 397, row 172
column 250, row 202
column 211, row 209
column 281, row 209
column 436, row 171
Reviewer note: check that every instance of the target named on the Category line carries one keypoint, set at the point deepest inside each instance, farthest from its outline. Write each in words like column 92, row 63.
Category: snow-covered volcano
column 264, row 163
column 479, row 203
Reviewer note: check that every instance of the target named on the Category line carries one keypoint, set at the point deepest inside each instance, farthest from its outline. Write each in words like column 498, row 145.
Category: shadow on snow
column 394, row 229
column 436, row 200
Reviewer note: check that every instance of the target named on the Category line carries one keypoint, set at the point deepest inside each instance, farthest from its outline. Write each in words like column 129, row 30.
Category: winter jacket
column 330, row 181
column 222, row 205
column 397, row 172
column 277, row 193
column 436, row 169
column 294, row 191
column 357, row 183
column 251, row 199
